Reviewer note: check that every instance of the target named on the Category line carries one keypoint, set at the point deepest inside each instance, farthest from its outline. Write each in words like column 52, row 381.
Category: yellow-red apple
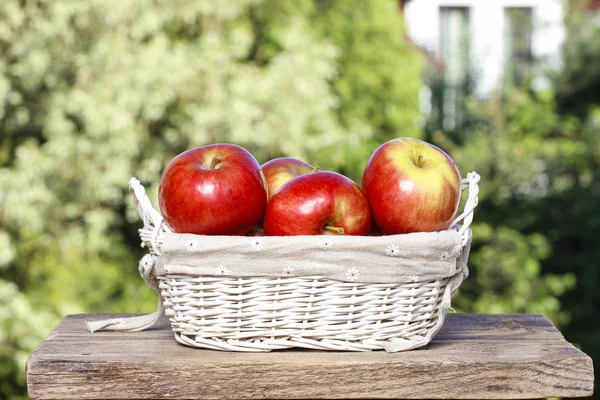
column 411, row 186
column 279, row 171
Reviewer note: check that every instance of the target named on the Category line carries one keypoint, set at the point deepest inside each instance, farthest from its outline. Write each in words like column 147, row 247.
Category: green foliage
column 377, row 73
column 538, row 154
column 22, row 328
column 94, row 92
column 535, row 240
column 578, row 83
column 375, row 65
column 525, row 153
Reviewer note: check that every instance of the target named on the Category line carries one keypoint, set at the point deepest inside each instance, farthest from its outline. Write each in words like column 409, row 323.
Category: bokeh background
column 94, row 92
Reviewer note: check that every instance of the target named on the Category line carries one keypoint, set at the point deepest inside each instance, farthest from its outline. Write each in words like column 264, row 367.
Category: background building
column 469, row 36
column 479, row 46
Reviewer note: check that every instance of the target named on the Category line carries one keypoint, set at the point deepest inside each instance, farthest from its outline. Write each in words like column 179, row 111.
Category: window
column 518, row 27
column 454, row 50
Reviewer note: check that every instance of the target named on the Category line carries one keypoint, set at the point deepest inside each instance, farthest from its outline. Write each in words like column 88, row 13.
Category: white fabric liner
column 382, row 259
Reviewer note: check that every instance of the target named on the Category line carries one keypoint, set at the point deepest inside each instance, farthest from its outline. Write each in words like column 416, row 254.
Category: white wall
column 487, row 26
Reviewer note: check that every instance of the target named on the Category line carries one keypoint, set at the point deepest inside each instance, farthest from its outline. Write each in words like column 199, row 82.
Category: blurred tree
column 378, row 72
column 94, row 92
column 537, row 220
column 573, row 220
column 521, row 147
column 537, row 223
column 578, row 84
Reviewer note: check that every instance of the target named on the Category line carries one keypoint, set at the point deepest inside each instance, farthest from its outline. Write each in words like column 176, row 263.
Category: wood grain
column 472, row 357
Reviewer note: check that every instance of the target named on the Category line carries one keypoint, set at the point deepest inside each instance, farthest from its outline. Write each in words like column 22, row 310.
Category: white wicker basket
column 263, row 313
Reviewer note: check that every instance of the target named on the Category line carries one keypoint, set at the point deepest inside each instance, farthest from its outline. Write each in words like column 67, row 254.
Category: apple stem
column 334, row 229
column 420, row 161
column 316, row 168
column 214, row 162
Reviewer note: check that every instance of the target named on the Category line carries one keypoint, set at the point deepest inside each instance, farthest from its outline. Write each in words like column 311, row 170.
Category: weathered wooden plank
column 472, row 357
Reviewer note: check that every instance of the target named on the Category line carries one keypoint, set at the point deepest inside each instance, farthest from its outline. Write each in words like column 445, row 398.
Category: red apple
column 412, row 186
column 281, row 170
column 319, row 203
column 217, row 189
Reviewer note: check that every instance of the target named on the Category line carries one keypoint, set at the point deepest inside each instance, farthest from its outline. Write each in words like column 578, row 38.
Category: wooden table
column 472, row 357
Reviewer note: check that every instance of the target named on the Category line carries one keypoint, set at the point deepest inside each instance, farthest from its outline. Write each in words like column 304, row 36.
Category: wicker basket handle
column 152, row 236
column 471, row 182
column 155, row 226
